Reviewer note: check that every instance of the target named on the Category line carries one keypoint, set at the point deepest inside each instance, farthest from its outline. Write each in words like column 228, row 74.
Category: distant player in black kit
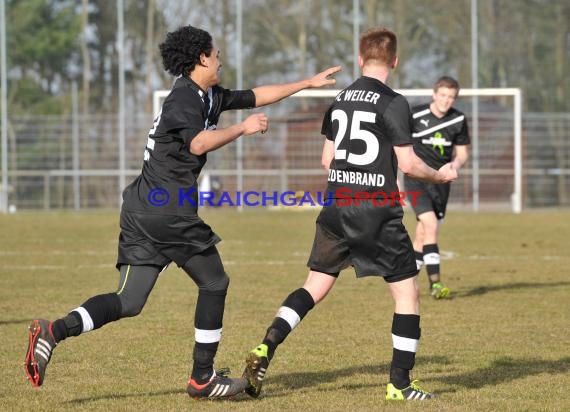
column 367, row 133
column 440, row 136
column 159, row 219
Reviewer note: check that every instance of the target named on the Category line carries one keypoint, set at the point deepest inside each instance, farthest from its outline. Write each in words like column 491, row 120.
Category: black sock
column 403, row 357
column 276, row 334
column 291, row 312
column 203, row 357
column 98, row 311
column 71, row 325
column 208, row 317
column 419, row 259
column 432, row 261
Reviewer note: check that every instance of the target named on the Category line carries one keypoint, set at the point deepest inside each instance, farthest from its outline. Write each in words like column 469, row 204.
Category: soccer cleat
column 256, row 364
column 40, row 347
column 219, row 386
column 438, row 291
column 411, row 393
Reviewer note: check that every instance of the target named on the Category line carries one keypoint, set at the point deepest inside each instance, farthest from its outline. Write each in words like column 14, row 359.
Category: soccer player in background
column 440, row 136
column 155, row 231
column 368, row 135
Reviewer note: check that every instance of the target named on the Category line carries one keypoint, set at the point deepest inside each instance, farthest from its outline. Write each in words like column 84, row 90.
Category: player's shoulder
column 453, row 112
column 421, row 108
column 181, row 97
column 185, row 90
column 180, row 102
column 219, row 90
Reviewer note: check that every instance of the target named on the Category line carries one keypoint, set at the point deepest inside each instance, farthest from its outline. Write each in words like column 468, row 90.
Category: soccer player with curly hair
column 159, row 215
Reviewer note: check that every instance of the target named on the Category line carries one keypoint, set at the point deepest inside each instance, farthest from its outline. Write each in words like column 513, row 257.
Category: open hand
column 322, row 79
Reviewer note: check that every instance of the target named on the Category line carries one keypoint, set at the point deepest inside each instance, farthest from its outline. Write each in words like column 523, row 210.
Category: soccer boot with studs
column 41, row 344
column 411, row 393
column 256, row 364
column 219, row 386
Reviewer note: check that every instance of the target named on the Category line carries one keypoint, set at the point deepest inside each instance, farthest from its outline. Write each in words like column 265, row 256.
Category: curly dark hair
column 181, row 49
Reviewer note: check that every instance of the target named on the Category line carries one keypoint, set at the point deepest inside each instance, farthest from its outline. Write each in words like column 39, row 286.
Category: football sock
column 208, row 332
column 93, row 314
column 432, row 260
column 405, row 338
column 71, row 325
column 291, row 312
column 419, row 259
column 203, row 356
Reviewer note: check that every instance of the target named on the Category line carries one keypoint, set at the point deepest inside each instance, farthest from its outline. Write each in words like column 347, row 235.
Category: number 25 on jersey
column 356, row 133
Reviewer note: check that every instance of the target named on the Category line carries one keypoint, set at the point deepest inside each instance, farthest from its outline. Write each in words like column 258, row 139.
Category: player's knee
column 429, row 231
column 217, row 285
column 130, row 307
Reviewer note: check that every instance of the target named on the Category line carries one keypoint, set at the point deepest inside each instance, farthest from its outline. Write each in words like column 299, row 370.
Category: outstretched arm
column 273, row 93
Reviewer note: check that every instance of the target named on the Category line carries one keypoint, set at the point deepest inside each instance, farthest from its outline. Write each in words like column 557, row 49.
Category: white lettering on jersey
column 155, row 123
column 358, row 178
column 358, row 133
column 360, row 96
column 150, row 142
column 436, row 141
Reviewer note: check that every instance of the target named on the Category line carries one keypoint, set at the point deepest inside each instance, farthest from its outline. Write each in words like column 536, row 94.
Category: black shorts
column 371, row 238
column 433, row 197
column 147, row 239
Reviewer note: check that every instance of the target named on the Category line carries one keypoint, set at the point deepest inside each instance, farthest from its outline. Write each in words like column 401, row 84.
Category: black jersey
column 168, row 181
column 365, row 121
column 434, row 138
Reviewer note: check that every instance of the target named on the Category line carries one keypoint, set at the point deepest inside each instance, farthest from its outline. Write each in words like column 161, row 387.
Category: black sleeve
column 398, row 121
column 182, row 114
column 326, row 128
column 463, row 137
column 237, row 99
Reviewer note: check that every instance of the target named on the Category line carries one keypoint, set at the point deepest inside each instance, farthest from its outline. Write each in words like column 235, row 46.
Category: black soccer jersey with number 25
column 435, row 137
column 170, row 172
column 365, row 121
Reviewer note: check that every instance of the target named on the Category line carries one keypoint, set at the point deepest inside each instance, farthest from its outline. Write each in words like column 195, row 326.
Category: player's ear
column 203, row 60
column 394, row 62
column 360, row 61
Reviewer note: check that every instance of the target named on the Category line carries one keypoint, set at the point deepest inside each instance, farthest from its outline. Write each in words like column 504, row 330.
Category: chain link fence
column 61, row 162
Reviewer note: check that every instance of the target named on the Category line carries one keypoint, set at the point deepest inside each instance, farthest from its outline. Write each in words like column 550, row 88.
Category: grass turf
column 501, row 342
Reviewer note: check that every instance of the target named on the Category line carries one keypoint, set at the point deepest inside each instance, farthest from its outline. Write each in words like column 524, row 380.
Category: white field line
column 445, row 255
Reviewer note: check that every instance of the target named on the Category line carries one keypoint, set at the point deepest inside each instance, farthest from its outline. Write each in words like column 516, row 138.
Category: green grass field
column 501, row 343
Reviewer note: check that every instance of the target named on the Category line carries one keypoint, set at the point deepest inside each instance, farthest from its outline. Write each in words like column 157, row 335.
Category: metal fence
column 62, row 162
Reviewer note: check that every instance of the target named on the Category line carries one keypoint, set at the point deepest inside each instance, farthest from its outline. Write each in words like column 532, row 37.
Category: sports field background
column 500, row 344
